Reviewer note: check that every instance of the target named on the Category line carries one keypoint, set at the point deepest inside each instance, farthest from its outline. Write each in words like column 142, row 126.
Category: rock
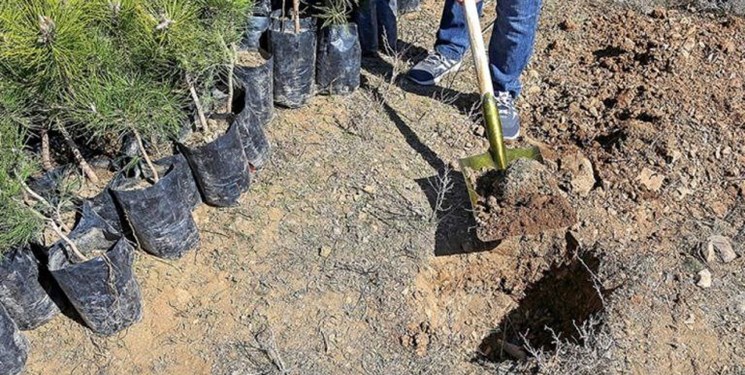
column 580, row 171
column 721, row 246
column 728, row 46
column 625, row 98
column 421, row 342
column 659, row 13
column 324, row 251
column 650, row 179
column 568, row 25
column 405, row 341
column 704, row 279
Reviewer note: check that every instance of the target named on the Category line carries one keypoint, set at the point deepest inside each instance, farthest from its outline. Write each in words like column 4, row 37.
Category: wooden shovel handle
column 492, row 122
column 477, row 48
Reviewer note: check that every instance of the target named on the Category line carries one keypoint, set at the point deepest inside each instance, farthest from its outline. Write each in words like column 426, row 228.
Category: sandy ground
column 354, row 252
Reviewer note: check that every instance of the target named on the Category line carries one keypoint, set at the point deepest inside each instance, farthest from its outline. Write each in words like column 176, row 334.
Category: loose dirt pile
column 250, row 59
column 522, row 200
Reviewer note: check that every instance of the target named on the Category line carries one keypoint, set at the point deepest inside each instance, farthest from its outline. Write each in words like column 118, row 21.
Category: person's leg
column 510, row 48
column 452, row 36
column 366, row 18
column 387, row 25
column 452, row 43
column 511, row 43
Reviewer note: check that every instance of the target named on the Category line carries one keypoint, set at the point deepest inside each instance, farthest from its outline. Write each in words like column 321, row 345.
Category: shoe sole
column 435, row 80
column 512, row 138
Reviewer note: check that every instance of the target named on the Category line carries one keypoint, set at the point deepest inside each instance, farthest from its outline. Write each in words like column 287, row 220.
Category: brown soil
column 522, row 200
column 250, row 59
column 354, row 251
column 217, row 125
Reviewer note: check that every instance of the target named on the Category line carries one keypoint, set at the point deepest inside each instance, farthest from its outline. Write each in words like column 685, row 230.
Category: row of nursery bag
column 302, row 60
column 150, row 207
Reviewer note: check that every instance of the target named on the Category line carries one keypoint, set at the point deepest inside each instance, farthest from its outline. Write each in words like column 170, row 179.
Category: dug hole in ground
column 352, row 254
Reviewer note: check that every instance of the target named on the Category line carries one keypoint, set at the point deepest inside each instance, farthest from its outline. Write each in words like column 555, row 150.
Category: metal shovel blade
column 484, row 162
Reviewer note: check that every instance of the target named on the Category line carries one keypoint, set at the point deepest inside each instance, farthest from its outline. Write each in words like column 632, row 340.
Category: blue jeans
column 511, row 43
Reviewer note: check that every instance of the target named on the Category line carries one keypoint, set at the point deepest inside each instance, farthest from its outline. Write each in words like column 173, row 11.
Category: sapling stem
column 46, row 159
column 59, row 234
column 67, row 240
column 197, row 102
column 296, row 15
column 82, row 163
column 231, row 73
column 46, row 203
column 145, row 155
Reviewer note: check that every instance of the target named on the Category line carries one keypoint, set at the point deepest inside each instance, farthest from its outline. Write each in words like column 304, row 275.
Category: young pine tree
column 48, row 45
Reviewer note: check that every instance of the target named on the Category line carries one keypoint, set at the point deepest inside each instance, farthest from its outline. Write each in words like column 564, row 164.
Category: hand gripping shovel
column 498, row 156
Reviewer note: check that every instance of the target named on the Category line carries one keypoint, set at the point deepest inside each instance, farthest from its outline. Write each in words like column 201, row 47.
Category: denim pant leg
column 366, row 17
column 511, row 43
column 452, row 37
column 387, row 12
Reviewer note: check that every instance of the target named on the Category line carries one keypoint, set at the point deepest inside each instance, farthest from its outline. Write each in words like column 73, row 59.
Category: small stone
column 369, row 189
column 405, row 341
column 704, row 279
column 650, row 179
column 421, row 342
column 722, row 246
column 728, row 46
column 659, row 13
column 625, row 98
column 568, row 25
column 691, row 320
column 324, row 251
column 580, row 171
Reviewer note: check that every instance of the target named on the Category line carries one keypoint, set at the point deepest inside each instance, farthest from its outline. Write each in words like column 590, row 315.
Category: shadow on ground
column 561, row 305
column 445, row 191
column 463, row 102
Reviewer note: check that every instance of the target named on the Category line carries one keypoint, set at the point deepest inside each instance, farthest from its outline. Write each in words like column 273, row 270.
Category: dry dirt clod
column 721, row 246
column 526, row 201
column 421, row 342
column 324, row 251
column 650, row 179
column 704, row 279
column 250, row 59
column 580, row 171
column 659, row 13
column 568, row 25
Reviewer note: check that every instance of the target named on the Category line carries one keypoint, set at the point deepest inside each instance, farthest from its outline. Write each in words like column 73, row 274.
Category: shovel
column 498, row 156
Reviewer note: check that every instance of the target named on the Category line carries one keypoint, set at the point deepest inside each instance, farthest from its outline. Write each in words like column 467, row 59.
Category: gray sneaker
column 508, row 115
column 430, row 71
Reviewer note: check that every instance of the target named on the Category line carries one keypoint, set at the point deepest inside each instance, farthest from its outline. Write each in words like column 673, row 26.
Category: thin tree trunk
column 197, row 102
column 46, row 159
column 231, row 71
column 45, row 202
column 296, row 7
column 87, row 170
column 67, row 240
column 60, row 234
column 150, row 165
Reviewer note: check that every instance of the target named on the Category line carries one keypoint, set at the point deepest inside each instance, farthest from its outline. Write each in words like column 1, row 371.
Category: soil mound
column 522, row 200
